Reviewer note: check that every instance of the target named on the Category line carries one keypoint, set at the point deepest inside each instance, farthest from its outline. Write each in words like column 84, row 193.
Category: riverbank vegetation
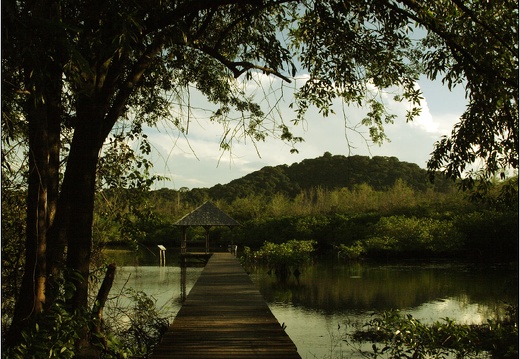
column 396, row 336
column 353, row 219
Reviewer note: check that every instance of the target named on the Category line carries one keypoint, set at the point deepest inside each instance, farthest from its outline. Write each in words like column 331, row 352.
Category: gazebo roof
column 207, row 215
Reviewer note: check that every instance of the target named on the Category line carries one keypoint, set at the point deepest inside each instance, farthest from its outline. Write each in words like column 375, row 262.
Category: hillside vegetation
column 354, row 206
column 327, row 172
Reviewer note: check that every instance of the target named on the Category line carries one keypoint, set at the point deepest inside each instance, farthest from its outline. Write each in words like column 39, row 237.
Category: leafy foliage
column 123, row 167
column 346, row 68
column 410, row 235
column 475, row 45
column 284, row 257
column 126, row 217
column 488, row 233
column 55, row 333
column 128, row 331
column 13, row 230
column 405, row 336
column 357, row 222
column 136, row 328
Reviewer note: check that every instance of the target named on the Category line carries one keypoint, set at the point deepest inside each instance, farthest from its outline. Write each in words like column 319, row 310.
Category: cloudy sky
column 195, row 160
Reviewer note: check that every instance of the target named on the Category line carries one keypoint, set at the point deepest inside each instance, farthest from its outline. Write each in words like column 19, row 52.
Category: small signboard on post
column 162, row 255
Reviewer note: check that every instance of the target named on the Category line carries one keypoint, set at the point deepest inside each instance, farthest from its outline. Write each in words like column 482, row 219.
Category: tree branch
column 239, row 67
column 99, row 304
column 129, row 83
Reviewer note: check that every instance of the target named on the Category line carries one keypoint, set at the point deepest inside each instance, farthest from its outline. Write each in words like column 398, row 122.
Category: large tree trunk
column 72, row 229
column 32, row 292
column 55, row 251
column 77, row 202
column 43, row 181
column 44, row 82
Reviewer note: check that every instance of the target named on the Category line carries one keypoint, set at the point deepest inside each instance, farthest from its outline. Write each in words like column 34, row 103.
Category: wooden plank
column 225, row 316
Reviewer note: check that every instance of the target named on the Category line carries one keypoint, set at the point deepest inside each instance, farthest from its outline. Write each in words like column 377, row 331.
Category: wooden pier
column 225, row 316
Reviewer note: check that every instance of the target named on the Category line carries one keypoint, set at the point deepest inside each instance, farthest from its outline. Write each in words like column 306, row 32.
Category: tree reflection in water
column 318, row 306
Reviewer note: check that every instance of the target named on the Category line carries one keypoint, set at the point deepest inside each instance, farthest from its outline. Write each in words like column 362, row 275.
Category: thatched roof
column 207, row 215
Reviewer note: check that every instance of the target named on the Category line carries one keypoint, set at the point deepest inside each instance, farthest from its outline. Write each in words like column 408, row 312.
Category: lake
column 328, row 298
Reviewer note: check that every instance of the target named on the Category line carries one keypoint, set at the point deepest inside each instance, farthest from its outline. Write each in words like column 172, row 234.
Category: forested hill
column 328, row 172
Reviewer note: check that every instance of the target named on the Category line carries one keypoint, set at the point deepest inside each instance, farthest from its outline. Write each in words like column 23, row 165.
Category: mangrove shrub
column 412, row 235
column 399, row 336
column 284, row 258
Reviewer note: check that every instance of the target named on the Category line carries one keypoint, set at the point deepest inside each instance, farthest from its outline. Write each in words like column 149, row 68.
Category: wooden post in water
column 183, row 240
column 183, row 281
column 207, row 238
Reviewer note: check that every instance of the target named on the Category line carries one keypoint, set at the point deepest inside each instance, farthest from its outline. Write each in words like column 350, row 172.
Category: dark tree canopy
column 80, row 76
column 329, row 173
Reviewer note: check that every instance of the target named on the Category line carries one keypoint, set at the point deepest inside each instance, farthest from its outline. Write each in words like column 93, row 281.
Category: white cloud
column 425, row 119
column 438, row 124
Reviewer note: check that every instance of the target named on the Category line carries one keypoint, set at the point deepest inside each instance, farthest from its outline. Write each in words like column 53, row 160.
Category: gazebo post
column 183, row 240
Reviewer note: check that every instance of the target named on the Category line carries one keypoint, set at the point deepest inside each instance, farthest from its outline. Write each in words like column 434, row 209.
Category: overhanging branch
column 240, row 67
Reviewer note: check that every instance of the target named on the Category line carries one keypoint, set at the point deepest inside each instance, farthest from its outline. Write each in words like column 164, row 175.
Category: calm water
column 141, row 271
column 326, row 300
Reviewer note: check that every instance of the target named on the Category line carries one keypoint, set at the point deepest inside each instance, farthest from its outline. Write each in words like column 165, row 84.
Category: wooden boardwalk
column 225, row 316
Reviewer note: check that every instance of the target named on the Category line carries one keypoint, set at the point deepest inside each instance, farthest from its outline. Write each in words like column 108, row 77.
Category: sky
column 196, row 161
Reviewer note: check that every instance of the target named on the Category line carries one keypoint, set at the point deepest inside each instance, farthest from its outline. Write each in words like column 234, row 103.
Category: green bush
column 353, row 252
column 283, row 258
column 406, row 337
column 412, row 235
column 135, row 329
column 54, row 333
column 490, row 235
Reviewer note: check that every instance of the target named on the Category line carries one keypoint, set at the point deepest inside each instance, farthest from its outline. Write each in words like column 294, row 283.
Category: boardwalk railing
column 225, row 316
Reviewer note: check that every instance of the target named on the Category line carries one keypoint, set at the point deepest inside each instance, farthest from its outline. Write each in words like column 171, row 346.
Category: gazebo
column 207, row 216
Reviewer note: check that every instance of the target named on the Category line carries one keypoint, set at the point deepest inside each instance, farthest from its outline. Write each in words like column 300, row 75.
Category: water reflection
column 161, row 278
column 334, row 289
column 320, row 305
